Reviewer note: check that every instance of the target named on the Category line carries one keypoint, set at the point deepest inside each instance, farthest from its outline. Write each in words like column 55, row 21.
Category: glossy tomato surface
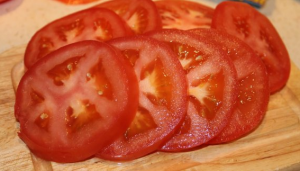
column 90, row 24
column 141, row 15
column 184, row 15
column 212, row 87
column 249, row 25
column 253, row 89
column 162, row 98
column 75, row 101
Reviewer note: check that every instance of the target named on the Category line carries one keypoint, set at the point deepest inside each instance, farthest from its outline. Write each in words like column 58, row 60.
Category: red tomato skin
column 260, row 35
column 127, row 8
column 53, row 36
column 168, row 120
column 181, row 14
column 202, row 129
column 253, row 99
column 74, row 148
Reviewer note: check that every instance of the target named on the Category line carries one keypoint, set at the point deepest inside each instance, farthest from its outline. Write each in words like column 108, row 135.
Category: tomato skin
column 83, row 25
column 162, row 98
column 141, row 15
column 212, row 87
column 253, row 87
column 184, row 15
column 73, row 118
column 249, row 25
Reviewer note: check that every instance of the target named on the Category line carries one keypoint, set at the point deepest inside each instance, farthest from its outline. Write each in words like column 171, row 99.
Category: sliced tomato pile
column 127, row 78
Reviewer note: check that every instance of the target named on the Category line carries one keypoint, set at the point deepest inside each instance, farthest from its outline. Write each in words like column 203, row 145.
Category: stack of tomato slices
column 122, row 80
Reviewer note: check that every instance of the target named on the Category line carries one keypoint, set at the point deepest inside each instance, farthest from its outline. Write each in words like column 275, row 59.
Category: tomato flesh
column 249, row 25
column 184, row 15
column 91, row 24
column 253, row 89
column 141, row 15
column 212, row 88
column 74, row 94
column 162, row 98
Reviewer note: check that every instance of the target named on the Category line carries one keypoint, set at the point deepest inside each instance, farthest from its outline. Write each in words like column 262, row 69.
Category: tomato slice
column 75, row 101
column 253, row 87
column 249, row 25
column 162, row 98
column 184, row 15
column 212, row 87
column 141, row 15
column 90, row 24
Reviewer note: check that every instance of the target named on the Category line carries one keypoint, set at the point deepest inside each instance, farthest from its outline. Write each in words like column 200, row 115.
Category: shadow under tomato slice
column 73, row 96
column 253, row 89
column 91, row 24
column 184, row 15
column 162, row 98
column 212, row 88
column 140, row 15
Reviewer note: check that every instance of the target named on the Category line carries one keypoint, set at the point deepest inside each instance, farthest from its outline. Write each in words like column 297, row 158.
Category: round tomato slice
column 141, row 15
column 253, row 87
column 91, row 24
column 249, row 25
column 162, row 98
column 212, row 87
column 184, row 15
column 75, row 101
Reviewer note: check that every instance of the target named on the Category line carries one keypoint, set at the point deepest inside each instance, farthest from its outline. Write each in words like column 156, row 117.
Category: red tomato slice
column 253, row 87
column 184, row 15
column 75, row 101
column 162, row 98
column 212, row 87
column 141, row 15
column 91, row 24
column 246, row 23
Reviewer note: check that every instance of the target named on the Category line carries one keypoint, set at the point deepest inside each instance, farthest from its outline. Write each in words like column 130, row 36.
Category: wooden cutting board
column 274, row 145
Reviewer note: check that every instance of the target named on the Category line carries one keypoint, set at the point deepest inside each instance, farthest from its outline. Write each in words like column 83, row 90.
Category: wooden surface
column 274, row 145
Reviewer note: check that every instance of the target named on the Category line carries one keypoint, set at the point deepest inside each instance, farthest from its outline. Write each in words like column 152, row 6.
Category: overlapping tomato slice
column 248, row 24
column 141, row 15
column 184, row 15
column 75, row 101
column 253, row 85
column 91, row 24
column 162, row 98
column 212, row 88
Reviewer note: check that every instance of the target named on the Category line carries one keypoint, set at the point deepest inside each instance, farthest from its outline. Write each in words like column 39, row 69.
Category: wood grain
column 274, row 145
